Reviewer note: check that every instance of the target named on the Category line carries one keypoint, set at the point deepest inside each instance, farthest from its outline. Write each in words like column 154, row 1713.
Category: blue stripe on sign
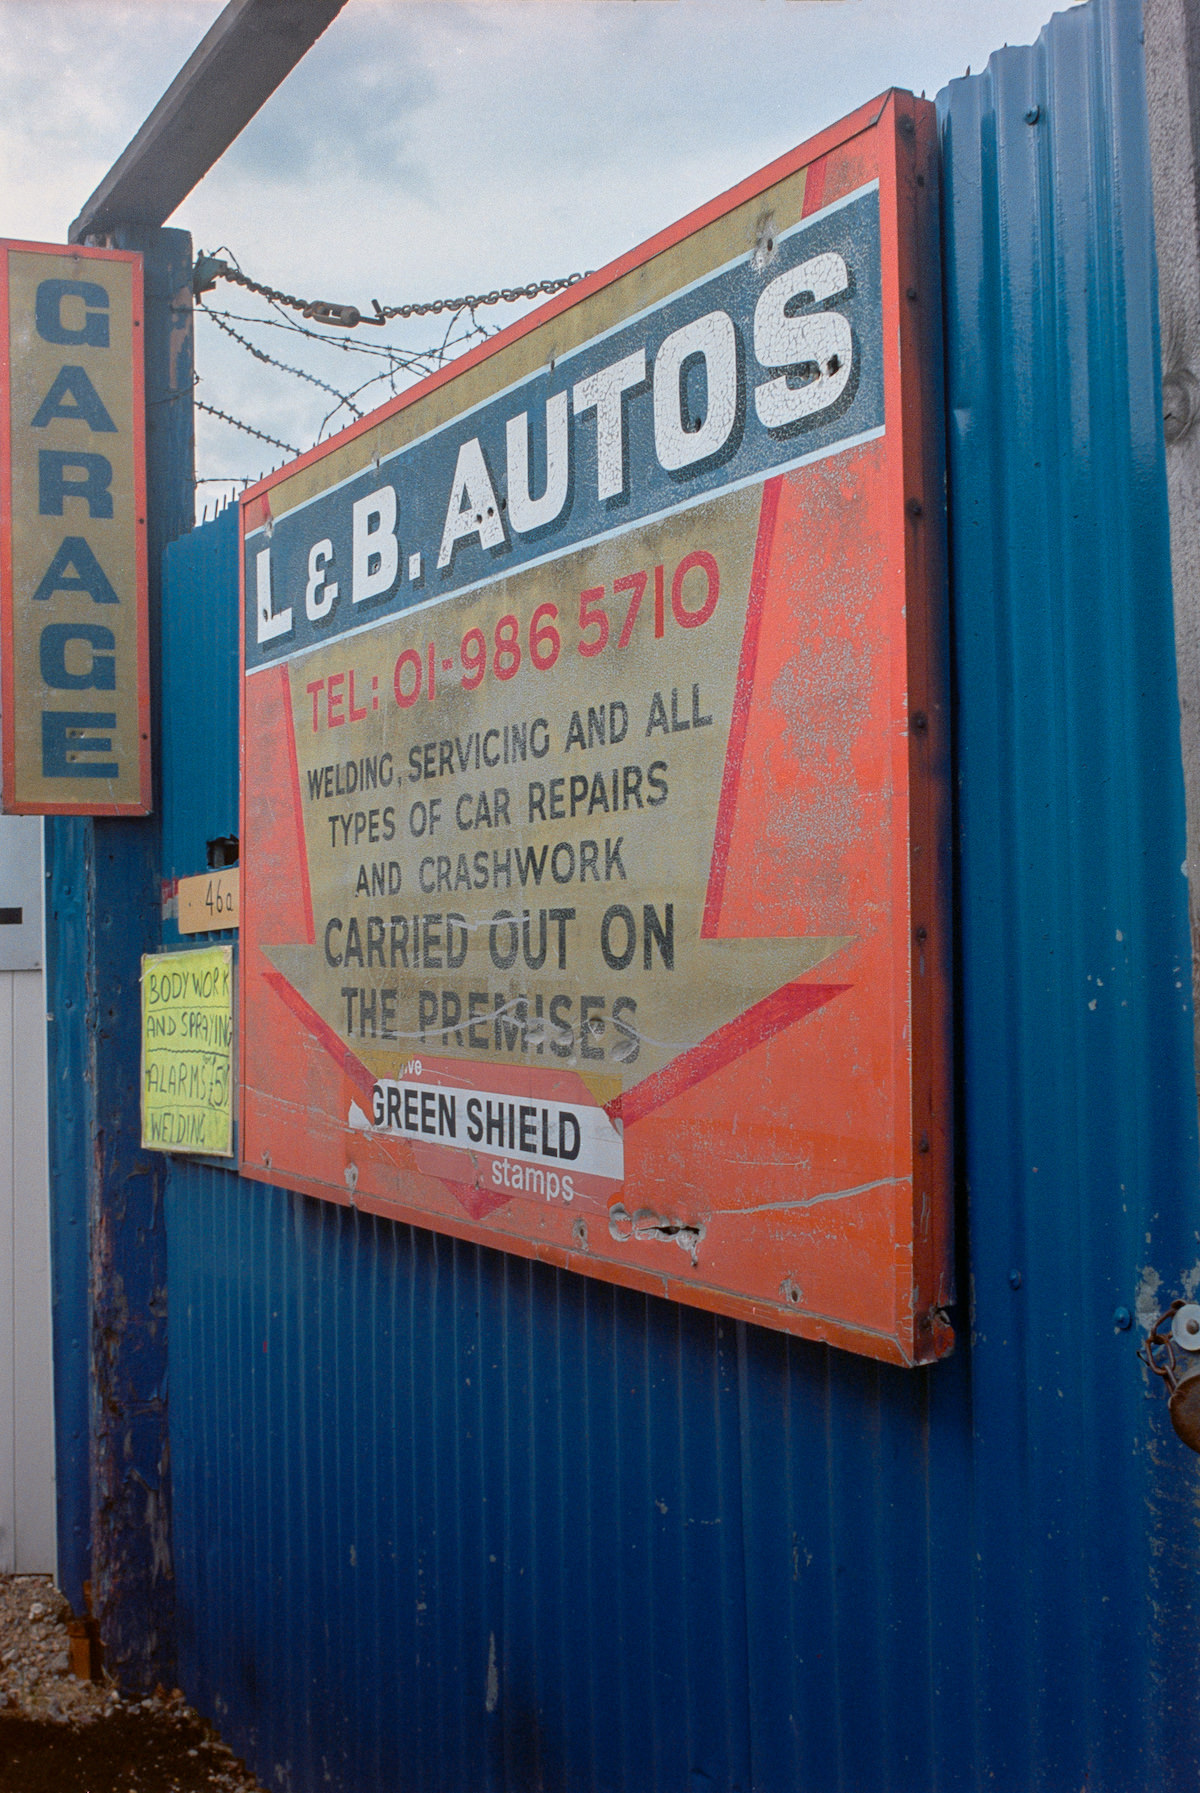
column 727, row 411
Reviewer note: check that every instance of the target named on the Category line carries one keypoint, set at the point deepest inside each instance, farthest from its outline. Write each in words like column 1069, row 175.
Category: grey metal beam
column 236, row 67
column 1172, row 37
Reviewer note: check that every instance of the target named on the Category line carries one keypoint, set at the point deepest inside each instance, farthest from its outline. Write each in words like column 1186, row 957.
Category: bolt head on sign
column 592, row 897
column 74, row 653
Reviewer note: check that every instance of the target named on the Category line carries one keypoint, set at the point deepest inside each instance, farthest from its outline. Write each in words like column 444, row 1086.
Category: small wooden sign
column 209, row 901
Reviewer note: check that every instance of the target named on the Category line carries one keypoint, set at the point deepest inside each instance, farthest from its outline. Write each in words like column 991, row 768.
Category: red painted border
column 800, row 1321
column 814, row 187
column 245, row 861
column 740, row 719
column 753, row 1028
column 144, row 802
column 85, row 251
column 141, row 545
column 285, row 698
column 321, row 1031
column 910, row 163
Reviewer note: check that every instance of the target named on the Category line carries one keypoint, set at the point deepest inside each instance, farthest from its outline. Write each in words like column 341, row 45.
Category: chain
column 505, row 295
column 1158, row 1350
column 209, row 269
column 247, row 428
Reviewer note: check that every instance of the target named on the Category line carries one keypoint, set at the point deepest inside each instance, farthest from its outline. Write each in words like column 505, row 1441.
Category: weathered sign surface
column 76, row 711
column 187, row 1051
column 592, row 772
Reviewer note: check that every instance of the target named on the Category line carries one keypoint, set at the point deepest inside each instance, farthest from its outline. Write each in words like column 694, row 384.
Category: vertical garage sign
column 76, row 728
column 593, row 778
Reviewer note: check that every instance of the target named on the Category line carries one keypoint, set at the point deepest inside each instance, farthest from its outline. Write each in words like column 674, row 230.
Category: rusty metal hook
column 1159, row 1354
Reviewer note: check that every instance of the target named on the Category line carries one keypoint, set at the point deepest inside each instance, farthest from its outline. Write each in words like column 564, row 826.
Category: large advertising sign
column 74, row 654
column 593, row 783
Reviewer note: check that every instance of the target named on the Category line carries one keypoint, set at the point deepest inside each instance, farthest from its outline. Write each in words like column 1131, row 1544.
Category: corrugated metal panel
column 449, row 1520
column 199, row 698
column 468, row 1521
column 1078, row 1109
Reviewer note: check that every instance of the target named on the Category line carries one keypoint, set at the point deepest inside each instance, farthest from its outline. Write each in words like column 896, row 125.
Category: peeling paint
column 491, row 1698
column 813, row 1201
column 1148, row 1300
column 645, row 1224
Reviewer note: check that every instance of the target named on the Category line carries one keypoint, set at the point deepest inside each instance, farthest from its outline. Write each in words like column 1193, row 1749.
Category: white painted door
column 27, row 1498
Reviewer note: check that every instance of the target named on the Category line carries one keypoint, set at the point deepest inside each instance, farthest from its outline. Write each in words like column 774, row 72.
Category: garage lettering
column 75, row 482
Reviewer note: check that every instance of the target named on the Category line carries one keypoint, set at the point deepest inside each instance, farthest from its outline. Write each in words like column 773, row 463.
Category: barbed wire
column 210, row 268
column 381, row 351
column 420, row 364
column 421, row 361
column 261, row 355
column 418, row 361
column 416, row 364
column 248, row 428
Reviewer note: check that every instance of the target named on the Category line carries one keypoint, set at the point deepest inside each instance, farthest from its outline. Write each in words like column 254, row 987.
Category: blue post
column 107, row 1224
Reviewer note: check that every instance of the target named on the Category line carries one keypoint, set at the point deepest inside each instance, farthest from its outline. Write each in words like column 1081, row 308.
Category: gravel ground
column 60, row 1735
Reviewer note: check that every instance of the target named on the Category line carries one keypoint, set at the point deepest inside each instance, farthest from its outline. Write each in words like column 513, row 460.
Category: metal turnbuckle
column 348, row 317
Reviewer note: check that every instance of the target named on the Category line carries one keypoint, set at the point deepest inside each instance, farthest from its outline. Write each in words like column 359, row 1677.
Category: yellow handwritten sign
column 187, row 1051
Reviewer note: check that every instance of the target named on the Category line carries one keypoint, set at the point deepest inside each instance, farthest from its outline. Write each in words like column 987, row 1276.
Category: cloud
column 77, row 77
column 346, row 113
column 422, row 150
column 428, row 148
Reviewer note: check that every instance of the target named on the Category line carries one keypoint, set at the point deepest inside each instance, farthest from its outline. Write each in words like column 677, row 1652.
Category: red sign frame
column 779, row 1149
column 92, row 542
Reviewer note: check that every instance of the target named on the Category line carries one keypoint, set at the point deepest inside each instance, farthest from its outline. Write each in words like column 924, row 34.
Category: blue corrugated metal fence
column 448, row 1520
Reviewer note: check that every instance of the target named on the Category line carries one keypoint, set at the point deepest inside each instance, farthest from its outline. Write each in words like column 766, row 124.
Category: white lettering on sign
column 818, row 343
column 525, row 512
column 602, row 393
column 817, row 348
column 376, row 550
column 678, row 442
column 269, row 624
column 320, row 592
column 769, row 361
column 473, row 508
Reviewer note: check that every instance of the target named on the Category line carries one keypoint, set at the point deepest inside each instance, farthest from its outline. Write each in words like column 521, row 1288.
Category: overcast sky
column 423, row 150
